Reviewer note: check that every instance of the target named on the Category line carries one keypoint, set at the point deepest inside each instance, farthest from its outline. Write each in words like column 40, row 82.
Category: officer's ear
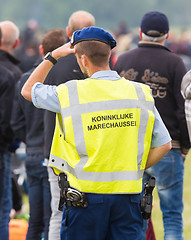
column 84, row 60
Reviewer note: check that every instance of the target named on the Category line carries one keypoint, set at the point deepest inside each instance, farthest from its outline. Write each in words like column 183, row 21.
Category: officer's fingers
column 73, row 50
column 68, row 47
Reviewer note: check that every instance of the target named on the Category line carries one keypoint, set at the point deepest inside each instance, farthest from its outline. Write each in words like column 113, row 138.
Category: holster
column 146, row 201
column 69, row 195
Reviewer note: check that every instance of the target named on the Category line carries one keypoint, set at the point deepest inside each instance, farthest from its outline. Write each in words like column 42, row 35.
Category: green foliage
column 23, row 216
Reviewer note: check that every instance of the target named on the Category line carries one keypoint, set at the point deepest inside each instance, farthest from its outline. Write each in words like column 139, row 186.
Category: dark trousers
column 2, row 174
column 39, row 197
column 107, row 217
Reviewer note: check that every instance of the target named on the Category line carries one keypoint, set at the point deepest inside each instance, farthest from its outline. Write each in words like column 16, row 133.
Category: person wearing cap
column 107, row 132
column 154, row 64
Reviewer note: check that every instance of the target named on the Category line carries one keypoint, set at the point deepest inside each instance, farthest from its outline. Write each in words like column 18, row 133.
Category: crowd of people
column 108, row 134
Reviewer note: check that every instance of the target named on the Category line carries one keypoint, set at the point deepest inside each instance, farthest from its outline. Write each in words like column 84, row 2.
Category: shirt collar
column 106, row 75
column 152, row 45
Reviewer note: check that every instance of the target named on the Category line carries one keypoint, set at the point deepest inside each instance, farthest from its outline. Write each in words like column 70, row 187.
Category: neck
column 94, row 69
column 150, row 42
column 7, row 50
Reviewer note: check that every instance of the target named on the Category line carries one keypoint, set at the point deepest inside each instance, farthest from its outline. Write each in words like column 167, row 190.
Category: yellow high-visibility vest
column 103, row 134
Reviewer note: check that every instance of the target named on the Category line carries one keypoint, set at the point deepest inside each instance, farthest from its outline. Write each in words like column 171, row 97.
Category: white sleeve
column 160, row 134
column 45, row 96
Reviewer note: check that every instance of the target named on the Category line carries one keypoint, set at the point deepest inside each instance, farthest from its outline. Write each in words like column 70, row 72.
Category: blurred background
column 121, row 18
column 108, row 14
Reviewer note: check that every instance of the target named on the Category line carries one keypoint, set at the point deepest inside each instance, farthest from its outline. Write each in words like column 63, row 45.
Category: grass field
column 157, row 215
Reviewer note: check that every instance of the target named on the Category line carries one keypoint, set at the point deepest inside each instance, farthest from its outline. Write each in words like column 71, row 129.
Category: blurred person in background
column 6, row 137
column 155, row 65
column 10, row 41
column 7, row 87
column 27, row 123
column 181, row 45
column 28, row 52
column 66, row 69
column 186, row 92
column 122, row 29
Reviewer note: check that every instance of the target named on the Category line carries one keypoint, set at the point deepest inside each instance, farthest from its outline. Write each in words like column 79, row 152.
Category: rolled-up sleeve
column 160, row 134
column 45, row 96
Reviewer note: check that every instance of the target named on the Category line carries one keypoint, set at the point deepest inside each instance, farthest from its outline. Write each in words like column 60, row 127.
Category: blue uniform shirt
column 45, row 96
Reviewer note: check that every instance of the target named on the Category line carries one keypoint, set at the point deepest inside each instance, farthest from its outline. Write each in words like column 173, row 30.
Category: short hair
column 153, row 39
column 97, row 52
column 79, row 20
column 53, row 39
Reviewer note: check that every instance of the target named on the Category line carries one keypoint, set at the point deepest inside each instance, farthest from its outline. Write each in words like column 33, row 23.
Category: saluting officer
column 104, row 160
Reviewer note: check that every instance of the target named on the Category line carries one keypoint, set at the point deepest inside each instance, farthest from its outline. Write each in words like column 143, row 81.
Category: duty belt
column 69, row 195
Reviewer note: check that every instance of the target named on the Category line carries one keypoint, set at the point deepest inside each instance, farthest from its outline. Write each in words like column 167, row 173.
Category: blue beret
column 154, row 24
column 93, row 34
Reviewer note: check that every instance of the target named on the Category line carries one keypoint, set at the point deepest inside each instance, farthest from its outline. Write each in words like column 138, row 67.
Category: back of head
column 154, row 26
column 79, row 20
column 10, row 33
column 97, row 52
column 53, row 39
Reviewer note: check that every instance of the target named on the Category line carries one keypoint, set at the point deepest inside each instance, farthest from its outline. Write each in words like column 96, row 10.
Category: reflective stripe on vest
column 76, row 109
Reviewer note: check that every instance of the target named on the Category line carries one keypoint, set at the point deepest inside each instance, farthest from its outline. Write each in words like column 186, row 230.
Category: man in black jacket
column 154, row 64
column 27, row 123
column 10, row 41
column 7, row 86
column 65, row 70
